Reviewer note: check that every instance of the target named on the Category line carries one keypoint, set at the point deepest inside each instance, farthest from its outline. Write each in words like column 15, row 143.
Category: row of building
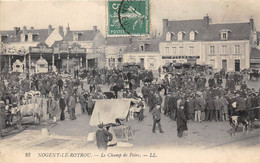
column 231, row 46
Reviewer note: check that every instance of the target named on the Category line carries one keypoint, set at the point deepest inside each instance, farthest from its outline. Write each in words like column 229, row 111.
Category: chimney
column 49, row 29
column 16, row 30
column 251, row 23
column 24, row 30
column 67, row 29
column 94, row 29
column 165, row 25
column 206, row 22
column 61, row 32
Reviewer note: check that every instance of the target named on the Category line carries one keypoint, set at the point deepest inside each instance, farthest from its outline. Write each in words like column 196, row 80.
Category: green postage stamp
column 128, row 17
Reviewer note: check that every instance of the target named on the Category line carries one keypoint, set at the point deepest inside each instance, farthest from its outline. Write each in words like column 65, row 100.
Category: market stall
column 111, row 112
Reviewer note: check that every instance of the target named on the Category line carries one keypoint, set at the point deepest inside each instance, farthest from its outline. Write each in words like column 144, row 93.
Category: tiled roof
column 151, row 45
column 238, row 31
column 118, row 40
column 254, row 53
column 42, row 35
column 85, row 35
column 184, row 26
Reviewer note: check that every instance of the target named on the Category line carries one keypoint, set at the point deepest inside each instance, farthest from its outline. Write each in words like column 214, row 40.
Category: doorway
column 91, row 62
column 142, row 62
column 237, row 65
column 224, row 64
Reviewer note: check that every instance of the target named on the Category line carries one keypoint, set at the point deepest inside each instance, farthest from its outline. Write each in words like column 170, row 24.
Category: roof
column 118, row 40
column 41, row 35
column 238, row 31
column 254, row 53
column 84, row 35
column 151, row 45
column 185, row 26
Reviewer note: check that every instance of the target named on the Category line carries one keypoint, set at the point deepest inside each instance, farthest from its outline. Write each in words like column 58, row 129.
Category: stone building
column 200, row 41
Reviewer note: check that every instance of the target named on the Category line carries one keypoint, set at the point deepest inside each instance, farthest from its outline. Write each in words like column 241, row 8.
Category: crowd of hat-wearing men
column 63, row 94
column 203, row 98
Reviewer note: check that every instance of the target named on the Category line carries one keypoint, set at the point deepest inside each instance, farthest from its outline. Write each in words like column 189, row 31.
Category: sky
column 84, row 14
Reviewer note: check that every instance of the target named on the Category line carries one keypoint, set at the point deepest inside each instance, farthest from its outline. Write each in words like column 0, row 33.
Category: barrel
column 2, row 115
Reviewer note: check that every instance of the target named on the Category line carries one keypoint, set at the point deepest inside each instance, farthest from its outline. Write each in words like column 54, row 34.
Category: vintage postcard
column 130, row 81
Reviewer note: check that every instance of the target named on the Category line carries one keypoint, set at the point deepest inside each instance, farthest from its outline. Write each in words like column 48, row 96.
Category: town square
column 141, row 83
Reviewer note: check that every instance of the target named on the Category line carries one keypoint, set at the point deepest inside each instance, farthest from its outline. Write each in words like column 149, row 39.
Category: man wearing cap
column 156, row 118
column 103, row 137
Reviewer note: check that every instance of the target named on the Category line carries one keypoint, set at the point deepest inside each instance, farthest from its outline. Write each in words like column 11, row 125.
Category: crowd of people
column 194, row 96
column 64, row 94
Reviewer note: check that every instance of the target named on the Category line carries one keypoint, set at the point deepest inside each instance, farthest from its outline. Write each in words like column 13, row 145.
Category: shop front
column 180, row 59
column 68, row 58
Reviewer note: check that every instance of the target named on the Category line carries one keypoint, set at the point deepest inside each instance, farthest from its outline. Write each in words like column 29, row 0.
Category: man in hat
column 156, row 118
column 181, row 121
column 103, row 137
column 72, row 106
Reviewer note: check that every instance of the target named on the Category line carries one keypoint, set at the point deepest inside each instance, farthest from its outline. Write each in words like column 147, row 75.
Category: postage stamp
column 128, row 17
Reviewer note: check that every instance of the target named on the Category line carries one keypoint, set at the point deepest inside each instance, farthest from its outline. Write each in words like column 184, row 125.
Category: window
column 212, row 50
column 191, row 49
column 237, row 49
column 181, row 50
column 169, row 36
column 180, row 36
column 167, row 50
column 212, row 62
column 75, row 37
column 224, row 49
column 26, row 38
column 142, row 48
column 173, row 50
column 192, row 35
column 224, row 34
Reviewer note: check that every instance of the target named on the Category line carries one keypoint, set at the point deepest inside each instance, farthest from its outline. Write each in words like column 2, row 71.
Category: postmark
column 128, row 17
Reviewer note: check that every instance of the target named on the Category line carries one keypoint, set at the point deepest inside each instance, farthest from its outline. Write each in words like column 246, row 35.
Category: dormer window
column 224, row 34
column 169, row 36
column 192, row 35
column 142, row 48
column 180, row 36
column 75, row 37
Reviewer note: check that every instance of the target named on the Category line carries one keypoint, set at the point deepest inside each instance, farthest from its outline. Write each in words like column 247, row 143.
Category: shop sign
column 77, row 50
column 14, row 51
column 41, row 50
column 180, row 57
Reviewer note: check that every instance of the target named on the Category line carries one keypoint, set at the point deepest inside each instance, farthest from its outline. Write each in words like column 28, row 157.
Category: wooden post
column 9, row 64
column 80, row 62
column 24, row 63
column 68, row 63
column 30, row 70
column 53, row 62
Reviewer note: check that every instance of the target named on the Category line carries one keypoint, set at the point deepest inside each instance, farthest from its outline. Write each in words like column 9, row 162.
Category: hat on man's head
column 101, row 125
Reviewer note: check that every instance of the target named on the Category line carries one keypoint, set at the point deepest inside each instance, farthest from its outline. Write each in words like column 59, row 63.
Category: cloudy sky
column 83, row 14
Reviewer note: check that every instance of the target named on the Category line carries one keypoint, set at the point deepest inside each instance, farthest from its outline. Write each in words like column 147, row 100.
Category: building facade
column 16, row 45
column 115, row 48
column 144, row 51
column 224, row 46
column 58, row 50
